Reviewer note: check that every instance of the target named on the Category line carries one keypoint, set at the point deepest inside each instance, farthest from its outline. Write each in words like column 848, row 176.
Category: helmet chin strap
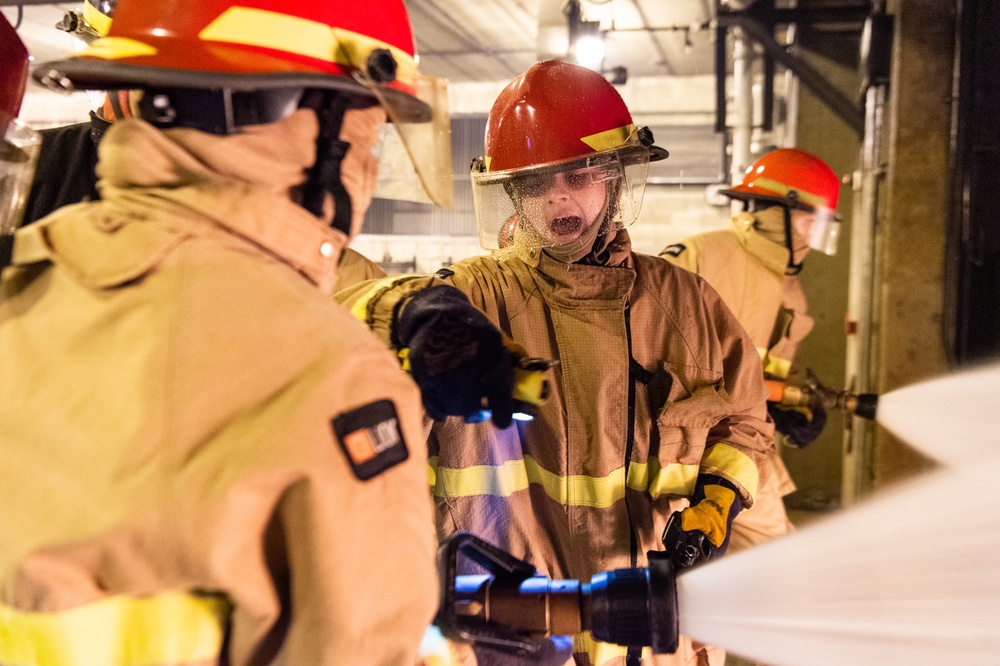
column 324, row 176
column 790, row 200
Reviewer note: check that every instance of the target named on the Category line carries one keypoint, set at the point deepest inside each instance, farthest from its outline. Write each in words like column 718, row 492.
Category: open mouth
column 566, row 226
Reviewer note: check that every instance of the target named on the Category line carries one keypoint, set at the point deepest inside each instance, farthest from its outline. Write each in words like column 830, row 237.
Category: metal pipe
column 860, row 351
column 742, row 105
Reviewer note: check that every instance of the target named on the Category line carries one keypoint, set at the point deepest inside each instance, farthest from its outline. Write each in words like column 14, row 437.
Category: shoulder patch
column 444, row 273
column 371, row 438
column 674, row 250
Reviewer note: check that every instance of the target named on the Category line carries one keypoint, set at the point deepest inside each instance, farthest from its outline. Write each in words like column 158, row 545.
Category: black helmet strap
column 324, row 176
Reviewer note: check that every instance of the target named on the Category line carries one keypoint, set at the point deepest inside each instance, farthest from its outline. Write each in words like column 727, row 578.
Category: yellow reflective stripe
column 782, row 189
column 777, row 367
column 116, row 48
column 599, row 652
column 574, row 490
column 98, row 21
column 302, row 36
column 733, row 464
column 515, row 475
column 169, row 628
column 674, row 479
column 432, row 471
column 608, row 139
column 360, row 307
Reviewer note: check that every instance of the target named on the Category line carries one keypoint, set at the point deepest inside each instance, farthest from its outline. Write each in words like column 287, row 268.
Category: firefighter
column 204, row 459
column 65, row 173
column 66, row 170
column 18, row 142
column 657, row 402
column 790, row 202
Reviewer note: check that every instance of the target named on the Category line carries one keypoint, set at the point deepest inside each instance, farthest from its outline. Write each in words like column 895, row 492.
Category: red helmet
column 782, row 172
column 798, row 180
column 13, row 73
column 560, row 123
column 251, row 45
column 555, row 112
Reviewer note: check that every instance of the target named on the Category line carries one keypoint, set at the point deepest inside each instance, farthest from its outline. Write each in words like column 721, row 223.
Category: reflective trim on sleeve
column 360, row 307
column 777, row 367
column 432, row 471
column 574, row 490
column 168, row 628
column 728, row 461
column 674, row 479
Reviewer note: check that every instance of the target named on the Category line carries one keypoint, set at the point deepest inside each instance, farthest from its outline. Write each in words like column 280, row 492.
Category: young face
column 802, row 226
column 564, row 206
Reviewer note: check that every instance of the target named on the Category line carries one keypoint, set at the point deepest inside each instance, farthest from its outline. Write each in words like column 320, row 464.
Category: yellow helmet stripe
column 608, row 139
column 301, row 36
column 101, row 23
column 168, row 628
column 116, row 48
column 805, row 197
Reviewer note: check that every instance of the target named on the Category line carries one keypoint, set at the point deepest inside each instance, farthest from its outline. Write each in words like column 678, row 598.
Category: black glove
column 700, row 532
column 456, row 356
column 799, row 430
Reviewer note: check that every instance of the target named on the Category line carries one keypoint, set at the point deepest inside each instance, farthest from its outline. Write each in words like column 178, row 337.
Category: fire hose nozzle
column 515, row 608
column 814, row 394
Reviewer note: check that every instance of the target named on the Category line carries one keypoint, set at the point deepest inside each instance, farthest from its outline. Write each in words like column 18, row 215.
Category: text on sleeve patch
column 371, row 438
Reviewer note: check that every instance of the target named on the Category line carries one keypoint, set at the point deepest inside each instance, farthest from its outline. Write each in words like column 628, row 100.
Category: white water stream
column 911, row 577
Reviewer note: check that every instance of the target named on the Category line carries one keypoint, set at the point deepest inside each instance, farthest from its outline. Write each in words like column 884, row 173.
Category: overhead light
column 589, row 51
column 586, row 42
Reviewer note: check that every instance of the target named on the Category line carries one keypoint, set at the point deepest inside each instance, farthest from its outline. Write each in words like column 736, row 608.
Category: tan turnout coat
column 748, row 271
column 171, row 368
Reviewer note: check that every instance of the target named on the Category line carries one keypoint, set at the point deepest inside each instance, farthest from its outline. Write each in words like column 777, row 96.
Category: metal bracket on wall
column 758, row 22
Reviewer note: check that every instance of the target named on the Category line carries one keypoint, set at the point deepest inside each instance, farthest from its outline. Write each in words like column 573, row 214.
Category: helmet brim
column 657, row 153
column 74, row 74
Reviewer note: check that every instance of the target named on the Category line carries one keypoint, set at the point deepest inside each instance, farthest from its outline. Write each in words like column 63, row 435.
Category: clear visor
column 427, row 144
column 825, row 231
column 18, row 152
column 559, row 205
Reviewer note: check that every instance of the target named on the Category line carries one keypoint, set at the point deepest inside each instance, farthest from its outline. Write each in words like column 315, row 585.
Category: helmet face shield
column 424, row 132
column 18, row 152
column 825, row 231
column 565, row 205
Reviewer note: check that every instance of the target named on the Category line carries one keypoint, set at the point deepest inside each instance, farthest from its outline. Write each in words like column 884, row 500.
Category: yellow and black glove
column 700, row 532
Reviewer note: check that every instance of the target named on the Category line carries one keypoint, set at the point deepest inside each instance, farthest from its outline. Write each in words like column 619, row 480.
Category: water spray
column 910, row 576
